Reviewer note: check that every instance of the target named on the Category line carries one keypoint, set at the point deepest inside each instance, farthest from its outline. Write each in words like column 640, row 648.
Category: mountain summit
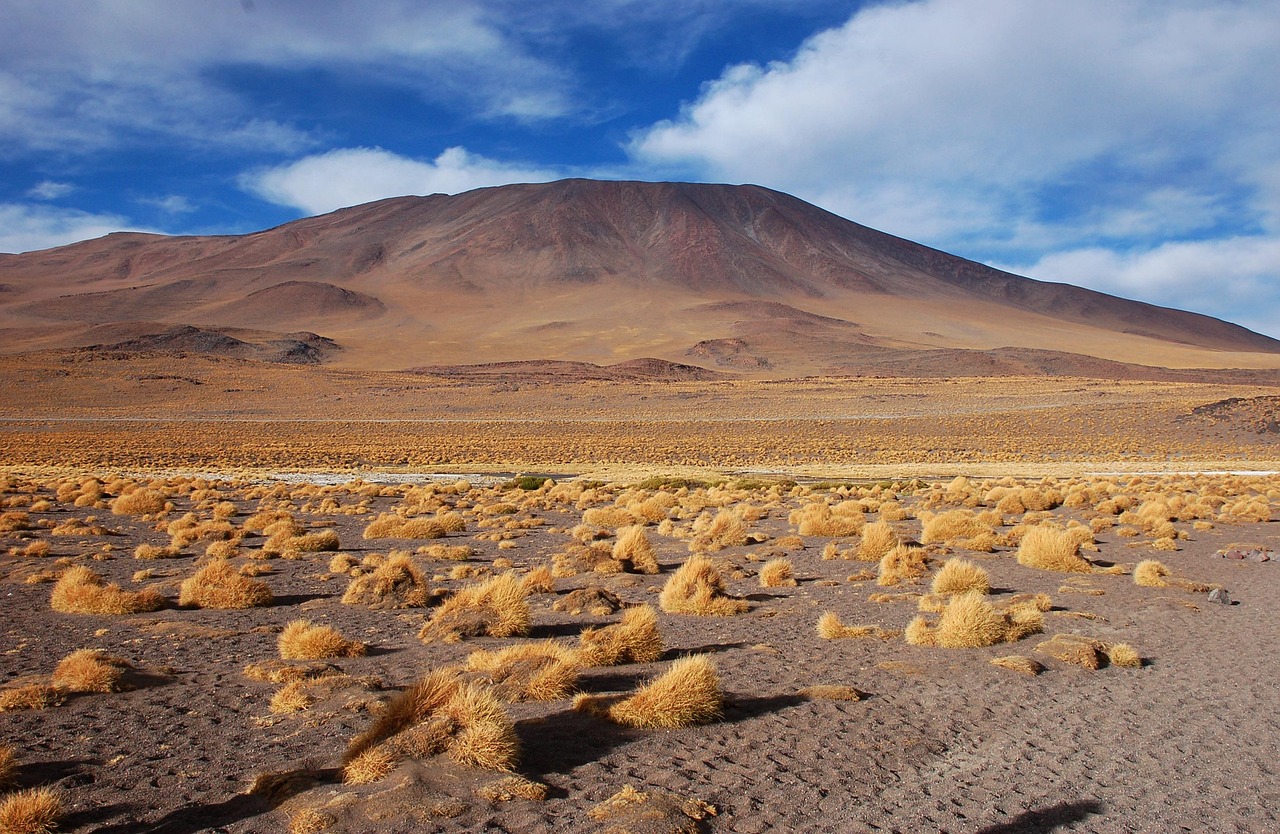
column 729, row 277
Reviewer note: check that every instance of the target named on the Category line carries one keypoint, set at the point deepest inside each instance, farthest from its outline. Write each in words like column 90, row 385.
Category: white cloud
column 25, row 228
column 170, row 204
column 349, row 176
column 946, row 104
column 1235, row 278
column 50, row 190
column 84, row 74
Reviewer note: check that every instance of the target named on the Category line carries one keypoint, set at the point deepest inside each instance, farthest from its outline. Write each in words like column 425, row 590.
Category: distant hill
column 732, row 278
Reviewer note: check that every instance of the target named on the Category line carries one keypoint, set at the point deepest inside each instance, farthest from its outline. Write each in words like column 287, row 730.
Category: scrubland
column 657, row 654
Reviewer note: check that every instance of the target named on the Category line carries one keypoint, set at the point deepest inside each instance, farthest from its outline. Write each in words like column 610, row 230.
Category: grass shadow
column 1044, row 820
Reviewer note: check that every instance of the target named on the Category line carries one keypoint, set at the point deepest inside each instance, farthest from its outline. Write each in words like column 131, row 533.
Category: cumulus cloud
column 1233, row 278
column 349, row 176
column 84, row 74
column 26, row 228
column 1002, row 130
column 170, row 203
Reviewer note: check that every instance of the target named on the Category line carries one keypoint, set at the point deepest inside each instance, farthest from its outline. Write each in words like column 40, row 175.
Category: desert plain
column 308, row 482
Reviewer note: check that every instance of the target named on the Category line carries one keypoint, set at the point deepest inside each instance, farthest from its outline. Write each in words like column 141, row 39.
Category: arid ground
column 1151, row 711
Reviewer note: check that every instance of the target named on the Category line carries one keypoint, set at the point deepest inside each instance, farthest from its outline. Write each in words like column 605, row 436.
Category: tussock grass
column 391, row 526
column 818, row 519
column 8, row 765
column 1124, row 656
column 831, row 692
column 878, row 538
column 830, row 627
column 1052, row 548
column 698, row 588
column 951, row 526
column 727, row 528
column 777, row 573
column 630, row 811
column 395, row 583
column 687, row 693
column 438, row 715
column 540, row 671
column 81, row 591
column 30, row 696
column 496, row 608
column 1084, row 652
column 635, row 639
column 220, row 586
column 139, row 502
column 33, row 811
column 302, row 640
column 1019, row 663
column 90, row 670
column 634, row 551
column 960, row 575
column 970, row 621
column 903, row 563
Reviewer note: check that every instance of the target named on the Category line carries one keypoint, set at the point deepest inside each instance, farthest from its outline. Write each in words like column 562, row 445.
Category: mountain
column 736, row 278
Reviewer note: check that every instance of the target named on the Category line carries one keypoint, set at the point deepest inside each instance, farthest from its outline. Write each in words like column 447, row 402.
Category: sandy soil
column 944, row 741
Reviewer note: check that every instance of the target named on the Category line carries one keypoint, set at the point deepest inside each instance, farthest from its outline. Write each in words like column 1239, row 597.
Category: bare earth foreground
column 142, row 475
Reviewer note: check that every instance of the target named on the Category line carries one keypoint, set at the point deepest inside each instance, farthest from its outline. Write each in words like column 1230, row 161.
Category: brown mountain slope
column 738, row 277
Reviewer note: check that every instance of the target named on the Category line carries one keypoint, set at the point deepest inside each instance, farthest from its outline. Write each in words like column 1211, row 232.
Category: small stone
column 1220, row 596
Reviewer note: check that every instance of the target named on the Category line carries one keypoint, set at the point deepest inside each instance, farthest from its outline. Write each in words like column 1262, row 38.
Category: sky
column 1130, row 146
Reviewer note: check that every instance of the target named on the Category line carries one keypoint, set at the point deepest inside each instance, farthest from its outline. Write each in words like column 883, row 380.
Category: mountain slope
column 739, row 277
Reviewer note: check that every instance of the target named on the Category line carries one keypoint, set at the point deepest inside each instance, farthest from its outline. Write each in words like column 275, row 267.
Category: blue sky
column 1132, row 147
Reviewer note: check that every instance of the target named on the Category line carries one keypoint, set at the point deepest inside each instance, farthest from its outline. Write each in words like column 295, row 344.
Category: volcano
column 737, row 279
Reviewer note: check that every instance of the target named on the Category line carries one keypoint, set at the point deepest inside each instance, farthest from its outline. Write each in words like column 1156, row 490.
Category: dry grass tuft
column 219, row 585
column 8, row 765
column 1019, row 663
column 33, row 811
column 598, row 602
column 496, row 608
column 951, row 526
column 90, row 670
column 302, row 640
column 1151, row 574
column 438, row 715
column 698, row 588
column 902, row 564
column 396, row 583
column 878, row 538
column 727, row 528
column 958, row 576
column 630, row 811
column 818, row 519
column 81, row 591
column 1050, row 548
column 30, row 696
column 542, row 671
column 391, row 526
column 1124, row 655
column 139, row 502
column 633, row 640
column 634, row 551
column 830, row 628
column 512, row 787
column 290, row 698
column 539, row 581
column 687, row 693
column 969, row 621
column 777, row 573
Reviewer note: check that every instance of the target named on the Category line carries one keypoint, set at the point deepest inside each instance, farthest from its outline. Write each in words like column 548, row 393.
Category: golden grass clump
column 438, row 715
column 391, row 526
column 291, row 698
column 698, row 588
column 902, row 564
column 1052, row 548
column 301, row 640
column 33, row 811
column 139, row 502
column 539, row 581
column 630, row 811
column 831, row 692
column 81, row 591
column 687, row 693
column 395, row 583
column 727, row 528
column 633, row 549
column 8, row 765
column 1150, row 573
column 1084, row 652
column 831, row 628
column 952, row 525
column 1019, row 663
column 496, row 608
column 90, row 670
column 878, row 538
column 1124, row 656
column 969, row 621
column 541, row 671
column 30, row 696
column 960, row 575
column 818, row 519
column 597, row 601
column 777, row 573
column 635, row 639
column 220, row 586
column 608, row 517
